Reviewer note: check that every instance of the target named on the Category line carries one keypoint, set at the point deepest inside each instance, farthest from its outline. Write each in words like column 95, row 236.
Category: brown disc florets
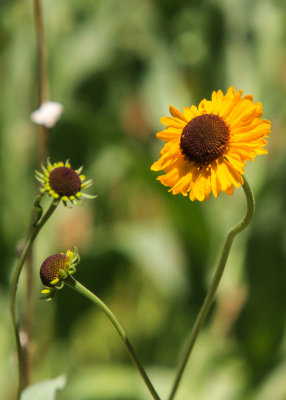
column 65, row 181
column 50, row 268
column 204, row 139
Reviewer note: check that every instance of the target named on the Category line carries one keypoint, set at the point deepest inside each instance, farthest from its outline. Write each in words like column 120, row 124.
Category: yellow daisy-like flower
column 55, row 269
column 207, row 146
column 60, row 181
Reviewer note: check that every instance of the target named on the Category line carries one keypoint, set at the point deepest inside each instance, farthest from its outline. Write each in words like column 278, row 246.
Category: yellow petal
column 169, row 134
column 191, row 112
column 176, row 113
column 174, row 122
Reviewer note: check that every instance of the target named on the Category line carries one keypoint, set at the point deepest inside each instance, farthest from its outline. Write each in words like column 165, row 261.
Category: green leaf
column 45, row 390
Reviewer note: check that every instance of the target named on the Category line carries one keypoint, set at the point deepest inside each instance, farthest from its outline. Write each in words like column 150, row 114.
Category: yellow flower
column 55, row 269
column 60, row 181
column 207, row 146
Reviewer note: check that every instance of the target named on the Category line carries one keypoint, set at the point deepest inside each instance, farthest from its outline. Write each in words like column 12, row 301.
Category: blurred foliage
column 45, row 390
column 116, row 67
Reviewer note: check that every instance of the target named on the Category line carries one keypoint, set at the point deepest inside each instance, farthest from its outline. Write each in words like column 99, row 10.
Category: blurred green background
column 116, row 67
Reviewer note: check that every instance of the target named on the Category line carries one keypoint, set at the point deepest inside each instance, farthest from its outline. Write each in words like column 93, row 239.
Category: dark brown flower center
column 204, row 139
column 51, row 266
column 64, row 181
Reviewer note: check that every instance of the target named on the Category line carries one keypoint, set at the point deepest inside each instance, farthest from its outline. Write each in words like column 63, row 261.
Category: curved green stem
column 14, row 285
column 214, row 285
column 74, row 284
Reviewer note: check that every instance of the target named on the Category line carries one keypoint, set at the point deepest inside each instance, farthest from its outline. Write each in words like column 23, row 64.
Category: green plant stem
column 43, row 80
column 214, row 285
column 41, row 51
column 28, row 312
column 29, row 300
column 74, row 284
column 14, row 285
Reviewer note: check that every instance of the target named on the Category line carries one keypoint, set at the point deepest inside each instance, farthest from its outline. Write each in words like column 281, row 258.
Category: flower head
column 60, row 181
column 207, row 146
column 48, row 114
column 55, row 269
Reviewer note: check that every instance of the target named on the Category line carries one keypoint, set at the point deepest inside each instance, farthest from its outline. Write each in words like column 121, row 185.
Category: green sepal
column 62, row 274
column 48, row 296
column 60, row 285
column 38, row 208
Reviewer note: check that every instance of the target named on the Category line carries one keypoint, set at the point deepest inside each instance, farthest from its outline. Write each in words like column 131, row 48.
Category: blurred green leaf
column 45, row 390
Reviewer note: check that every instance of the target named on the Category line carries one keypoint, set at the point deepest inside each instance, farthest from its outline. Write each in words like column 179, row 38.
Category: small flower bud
column 51, row 267
column 55, row 269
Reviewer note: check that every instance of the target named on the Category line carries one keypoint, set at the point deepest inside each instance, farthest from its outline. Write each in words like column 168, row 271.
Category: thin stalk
column 74, row 284
column 214, row 285
column 41, row 51
column 43, row 138
column 13, row 291
column 28, row 312
column 43, row 80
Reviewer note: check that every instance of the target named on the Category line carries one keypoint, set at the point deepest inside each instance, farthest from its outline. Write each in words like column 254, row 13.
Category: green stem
column 38, row 15
column 13, row 290
column 43, row 142
column 214, row 285
column 43, row 80
column 71, row 282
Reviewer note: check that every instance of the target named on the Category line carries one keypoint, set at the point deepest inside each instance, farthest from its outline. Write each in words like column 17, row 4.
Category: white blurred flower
column 48, row 114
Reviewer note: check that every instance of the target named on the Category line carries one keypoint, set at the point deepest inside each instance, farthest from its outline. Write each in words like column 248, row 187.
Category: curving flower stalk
column 205, row 308
column 205, row 151
column 63, row 184
column 74, row 284
column 37, row 226
column 56, row 271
